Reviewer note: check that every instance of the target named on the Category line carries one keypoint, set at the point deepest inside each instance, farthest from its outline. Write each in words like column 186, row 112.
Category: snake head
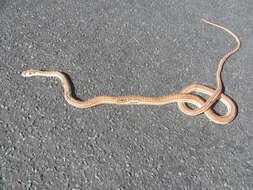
column 29, row 73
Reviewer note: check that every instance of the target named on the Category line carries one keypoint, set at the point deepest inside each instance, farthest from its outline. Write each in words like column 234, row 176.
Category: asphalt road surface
column 142, row 47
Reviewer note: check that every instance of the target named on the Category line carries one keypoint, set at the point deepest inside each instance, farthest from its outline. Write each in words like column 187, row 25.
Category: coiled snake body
column 181, row 98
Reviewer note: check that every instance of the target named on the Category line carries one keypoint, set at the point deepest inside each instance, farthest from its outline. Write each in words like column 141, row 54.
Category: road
column 149, row 48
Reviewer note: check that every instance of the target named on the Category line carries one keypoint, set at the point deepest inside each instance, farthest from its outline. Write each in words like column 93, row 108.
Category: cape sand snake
column 181, row 98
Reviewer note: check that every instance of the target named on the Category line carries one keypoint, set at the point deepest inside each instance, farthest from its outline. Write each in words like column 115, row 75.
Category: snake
column 183, row 98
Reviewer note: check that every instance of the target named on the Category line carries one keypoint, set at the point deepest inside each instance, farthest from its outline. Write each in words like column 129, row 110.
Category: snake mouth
column 23, row 74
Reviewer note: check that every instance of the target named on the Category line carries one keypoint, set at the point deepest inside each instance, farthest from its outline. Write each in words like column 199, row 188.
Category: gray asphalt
column 151, row 48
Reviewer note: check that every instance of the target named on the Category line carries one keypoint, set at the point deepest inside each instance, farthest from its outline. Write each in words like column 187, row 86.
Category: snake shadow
column 73, row 91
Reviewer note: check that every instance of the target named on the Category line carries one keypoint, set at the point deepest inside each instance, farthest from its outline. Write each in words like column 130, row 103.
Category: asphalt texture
column 150, row 48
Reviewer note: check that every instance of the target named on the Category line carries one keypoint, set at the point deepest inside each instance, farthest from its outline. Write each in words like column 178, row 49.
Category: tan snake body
column 181, row 98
